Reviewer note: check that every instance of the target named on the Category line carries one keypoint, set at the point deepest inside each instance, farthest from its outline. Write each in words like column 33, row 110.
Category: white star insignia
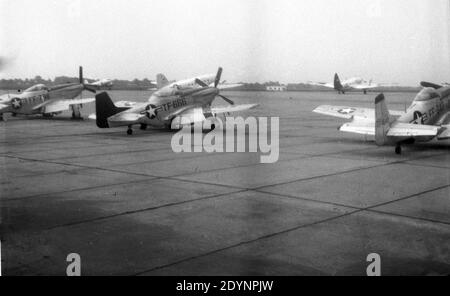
column 16, row 103
column 347, row 110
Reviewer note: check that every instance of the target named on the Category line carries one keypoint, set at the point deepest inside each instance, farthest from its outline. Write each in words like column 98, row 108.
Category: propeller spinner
column 216, row 82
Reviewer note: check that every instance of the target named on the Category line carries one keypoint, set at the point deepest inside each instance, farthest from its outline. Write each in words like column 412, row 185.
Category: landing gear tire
column 143, row 127
column 365, row 92
column 398, row 150
column 14, row 114
column 129, row 131
column 213, row 127
column 48, row 115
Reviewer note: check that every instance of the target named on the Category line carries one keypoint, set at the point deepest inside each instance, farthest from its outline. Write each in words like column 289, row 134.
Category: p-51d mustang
column 427, row 118
column 172, row 106
column 48, row 101
column 100, row 84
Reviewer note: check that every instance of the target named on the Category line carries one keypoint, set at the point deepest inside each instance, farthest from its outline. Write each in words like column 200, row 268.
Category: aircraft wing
column 228, row 85
column 346, row 112
column 62, row 105
column 232, row 108
column 325, row 84
column 352, row 112
column 364, row 86
column 3, row 107
column 188, row 116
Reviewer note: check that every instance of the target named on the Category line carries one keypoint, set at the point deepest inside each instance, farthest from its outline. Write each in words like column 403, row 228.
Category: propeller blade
column 219, row 74
column 227, row 99
column 200, row 82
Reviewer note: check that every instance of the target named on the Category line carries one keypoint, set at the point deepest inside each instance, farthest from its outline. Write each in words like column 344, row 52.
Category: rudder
column 104, row 108
column 337, row 83
column 382, row 120
column 161, row 81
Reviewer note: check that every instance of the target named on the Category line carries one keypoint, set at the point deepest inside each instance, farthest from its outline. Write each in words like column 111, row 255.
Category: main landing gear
column 76, row 113
column 398, row 149
column 143, row 126
column 129, row 130
column 365, row 92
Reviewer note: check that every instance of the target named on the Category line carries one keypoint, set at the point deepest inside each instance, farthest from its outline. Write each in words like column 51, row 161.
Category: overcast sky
column 401, row 41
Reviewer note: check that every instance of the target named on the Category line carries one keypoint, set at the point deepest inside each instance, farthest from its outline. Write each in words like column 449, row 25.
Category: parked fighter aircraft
column 100, row 84
column 424, row 120
column 48, row 101
column 348, row 84
column 162, row 81
column 172, row 106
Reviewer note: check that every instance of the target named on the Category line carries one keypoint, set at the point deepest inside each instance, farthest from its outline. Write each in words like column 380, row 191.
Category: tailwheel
column 398, row 149
column 143, row 127
column 129, row 131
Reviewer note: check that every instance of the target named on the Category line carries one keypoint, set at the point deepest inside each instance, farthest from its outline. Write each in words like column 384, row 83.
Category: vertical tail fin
column 161, row 81
column 382, row 120
column 104, row 108
column 337, row 83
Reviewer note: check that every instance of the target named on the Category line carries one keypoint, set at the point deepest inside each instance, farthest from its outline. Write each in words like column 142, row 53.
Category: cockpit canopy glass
column 37, row 87
column 426, row 94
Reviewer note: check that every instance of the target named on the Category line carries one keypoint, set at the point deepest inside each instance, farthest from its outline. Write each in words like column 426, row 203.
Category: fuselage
column 429, row 107
column 351, row 83
column 186, row 83
column 165, row 104
column 25, row 102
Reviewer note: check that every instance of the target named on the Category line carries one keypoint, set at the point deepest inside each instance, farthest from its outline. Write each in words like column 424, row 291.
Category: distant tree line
column 145, row 84
column 135, row 84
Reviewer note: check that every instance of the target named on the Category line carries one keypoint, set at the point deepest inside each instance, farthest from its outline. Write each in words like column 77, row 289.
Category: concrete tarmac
column 129, row 205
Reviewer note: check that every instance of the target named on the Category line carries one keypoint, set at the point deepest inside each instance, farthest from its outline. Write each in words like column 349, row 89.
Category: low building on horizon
column 276, row 88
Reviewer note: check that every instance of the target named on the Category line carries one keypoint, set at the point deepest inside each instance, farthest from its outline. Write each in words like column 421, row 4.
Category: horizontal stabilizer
column 412, row 130
column 58, row 105
column 359, row 127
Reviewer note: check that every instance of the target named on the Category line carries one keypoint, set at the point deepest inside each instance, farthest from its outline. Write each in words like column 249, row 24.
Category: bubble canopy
column 37, row 87
column 426, row 94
